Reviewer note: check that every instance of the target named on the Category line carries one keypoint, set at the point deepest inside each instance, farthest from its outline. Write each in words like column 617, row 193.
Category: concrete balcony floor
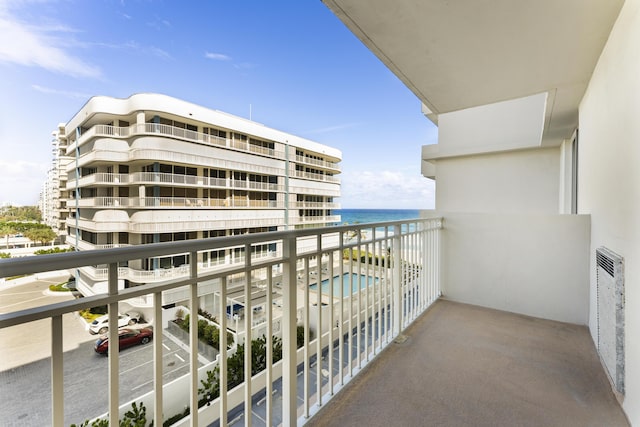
column 463, row 365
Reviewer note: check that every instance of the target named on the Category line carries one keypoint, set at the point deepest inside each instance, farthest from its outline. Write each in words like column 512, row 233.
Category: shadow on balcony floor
column 464, row 365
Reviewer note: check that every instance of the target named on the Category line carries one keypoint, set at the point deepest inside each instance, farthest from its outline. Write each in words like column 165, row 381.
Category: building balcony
column 315, row 205
column 447, row 320
column 317, row 162
column 155, row 129
column 318, row 219
column 169, row 179
column 316, row 176
column 197, row 137
column 174, row 202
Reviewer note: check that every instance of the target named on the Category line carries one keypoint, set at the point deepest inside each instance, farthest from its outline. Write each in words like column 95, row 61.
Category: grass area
column 87, row 315
column 61, row 287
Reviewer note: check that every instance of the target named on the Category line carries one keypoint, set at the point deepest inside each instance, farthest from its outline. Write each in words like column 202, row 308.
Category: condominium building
column 152, row 168
column 54, row 195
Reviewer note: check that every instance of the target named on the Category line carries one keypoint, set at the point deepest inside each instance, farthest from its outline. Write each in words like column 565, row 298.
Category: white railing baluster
column 57, row 372
column 158, row 406
column 114, row 353
column 269, row 388
column 332, row 322
column 247, row 335
column 341, row 342
column 222, row 357
column 319, row 332
column 289, row 287
column 307, row 335
column 193, row 339
column 397, row 281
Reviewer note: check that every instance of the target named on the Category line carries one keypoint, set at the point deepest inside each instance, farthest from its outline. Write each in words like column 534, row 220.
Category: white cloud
column 217, row 56
column 156, row 51
column 66, row 93
column 35, row 47
column 387, row 190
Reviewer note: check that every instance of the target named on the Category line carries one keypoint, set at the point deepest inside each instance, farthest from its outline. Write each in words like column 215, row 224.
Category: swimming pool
column 343, row 282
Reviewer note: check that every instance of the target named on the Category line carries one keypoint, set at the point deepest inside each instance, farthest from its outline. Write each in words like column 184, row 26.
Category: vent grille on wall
column 610, row 296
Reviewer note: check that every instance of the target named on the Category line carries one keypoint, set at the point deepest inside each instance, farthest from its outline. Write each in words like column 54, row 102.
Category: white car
column 101, row 324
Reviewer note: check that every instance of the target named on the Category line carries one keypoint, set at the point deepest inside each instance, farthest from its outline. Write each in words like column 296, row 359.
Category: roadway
column 25, row 356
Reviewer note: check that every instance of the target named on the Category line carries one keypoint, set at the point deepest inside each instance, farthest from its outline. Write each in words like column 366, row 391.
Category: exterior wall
column 525, row 181
column 535, row 265
column 609, row 177
column 151, row 165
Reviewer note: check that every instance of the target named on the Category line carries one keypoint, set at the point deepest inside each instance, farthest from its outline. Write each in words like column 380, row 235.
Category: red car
column 126, row 337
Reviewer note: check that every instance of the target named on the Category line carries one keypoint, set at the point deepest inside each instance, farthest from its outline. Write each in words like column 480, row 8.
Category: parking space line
column 179, row 358
column 166, row 346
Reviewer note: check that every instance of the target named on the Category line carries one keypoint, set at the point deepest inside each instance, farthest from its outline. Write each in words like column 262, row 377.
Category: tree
column 6, row 230
column 42, row 235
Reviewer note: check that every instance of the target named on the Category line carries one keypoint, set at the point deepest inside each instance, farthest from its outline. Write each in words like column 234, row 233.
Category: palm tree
column 6, row 230
column 41, row 235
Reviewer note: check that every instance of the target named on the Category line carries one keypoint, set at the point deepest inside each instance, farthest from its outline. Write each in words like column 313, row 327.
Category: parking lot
column 25, row 369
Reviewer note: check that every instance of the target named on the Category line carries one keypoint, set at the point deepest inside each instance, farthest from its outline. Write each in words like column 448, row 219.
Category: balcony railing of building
column 137, row 178
column 315, row 205
column 316, row 176
column 174, row 202
column 194, row 136
column 173, row 226
column 317, row 162
column 351, row 295
column 327, row 219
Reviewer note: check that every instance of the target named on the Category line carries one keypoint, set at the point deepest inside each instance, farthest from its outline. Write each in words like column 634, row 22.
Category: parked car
column 101, row 324
column 126, row 338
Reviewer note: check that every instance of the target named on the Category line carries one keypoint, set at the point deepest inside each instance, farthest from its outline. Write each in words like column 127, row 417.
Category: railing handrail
column 68, row 260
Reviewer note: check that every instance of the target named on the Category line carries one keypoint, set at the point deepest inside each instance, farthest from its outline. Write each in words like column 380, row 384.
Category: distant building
column 54, row 195
column 151, row 168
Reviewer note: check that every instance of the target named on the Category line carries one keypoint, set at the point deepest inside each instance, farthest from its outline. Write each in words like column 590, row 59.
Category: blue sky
column 293, row 64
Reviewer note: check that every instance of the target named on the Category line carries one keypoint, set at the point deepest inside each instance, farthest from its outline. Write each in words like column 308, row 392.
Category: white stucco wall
column 508, row 182
column 530, row 264
column 609, row 176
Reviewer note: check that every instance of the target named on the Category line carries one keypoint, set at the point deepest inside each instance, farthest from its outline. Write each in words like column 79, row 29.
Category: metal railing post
column 396, row 259
column 289, row 325
column 193, row 339
column 57, row 372
column 113, row 351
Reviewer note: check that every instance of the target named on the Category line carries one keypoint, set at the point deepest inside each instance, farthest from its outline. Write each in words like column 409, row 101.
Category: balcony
column 170, row 179
column 281, row 290
column 504, row 347
column 156, row 129
column 174, row 202
column 463, row 365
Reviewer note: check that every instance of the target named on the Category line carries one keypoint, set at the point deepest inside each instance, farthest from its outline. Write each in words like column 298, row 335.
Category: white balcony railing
column 351, row 295
column 173, row 202
column 317, row 162
column 174, row 132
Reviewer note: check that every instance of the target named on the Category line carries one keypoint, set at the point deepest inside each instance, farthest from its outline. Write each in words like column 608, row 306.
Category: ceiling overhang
column 461, row 54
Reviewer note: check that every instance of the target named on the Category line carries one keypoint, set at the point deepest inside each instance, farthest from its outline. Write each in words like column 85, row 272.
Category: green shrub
column 55, row 250
column 60, row 287
column 5, row 255
column 135, row 417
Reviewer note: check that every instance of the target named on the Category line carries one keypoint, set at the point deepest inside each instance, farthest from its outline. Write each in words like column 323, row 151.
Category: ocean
column 363, row 216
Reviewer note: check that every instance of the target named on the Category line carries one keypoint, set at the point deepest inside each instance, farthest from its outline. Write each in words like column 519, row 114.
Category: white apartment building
column 54, row 195
column 152, row 168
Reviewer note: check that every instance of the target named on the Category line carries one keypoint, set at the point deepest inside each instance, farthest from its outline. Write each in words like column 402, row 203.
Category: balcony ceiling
column 460, row 54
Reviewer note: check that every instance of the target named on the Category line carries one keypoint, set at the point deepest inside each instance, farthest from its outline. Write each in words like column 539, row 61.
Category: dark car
column 126, row 337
